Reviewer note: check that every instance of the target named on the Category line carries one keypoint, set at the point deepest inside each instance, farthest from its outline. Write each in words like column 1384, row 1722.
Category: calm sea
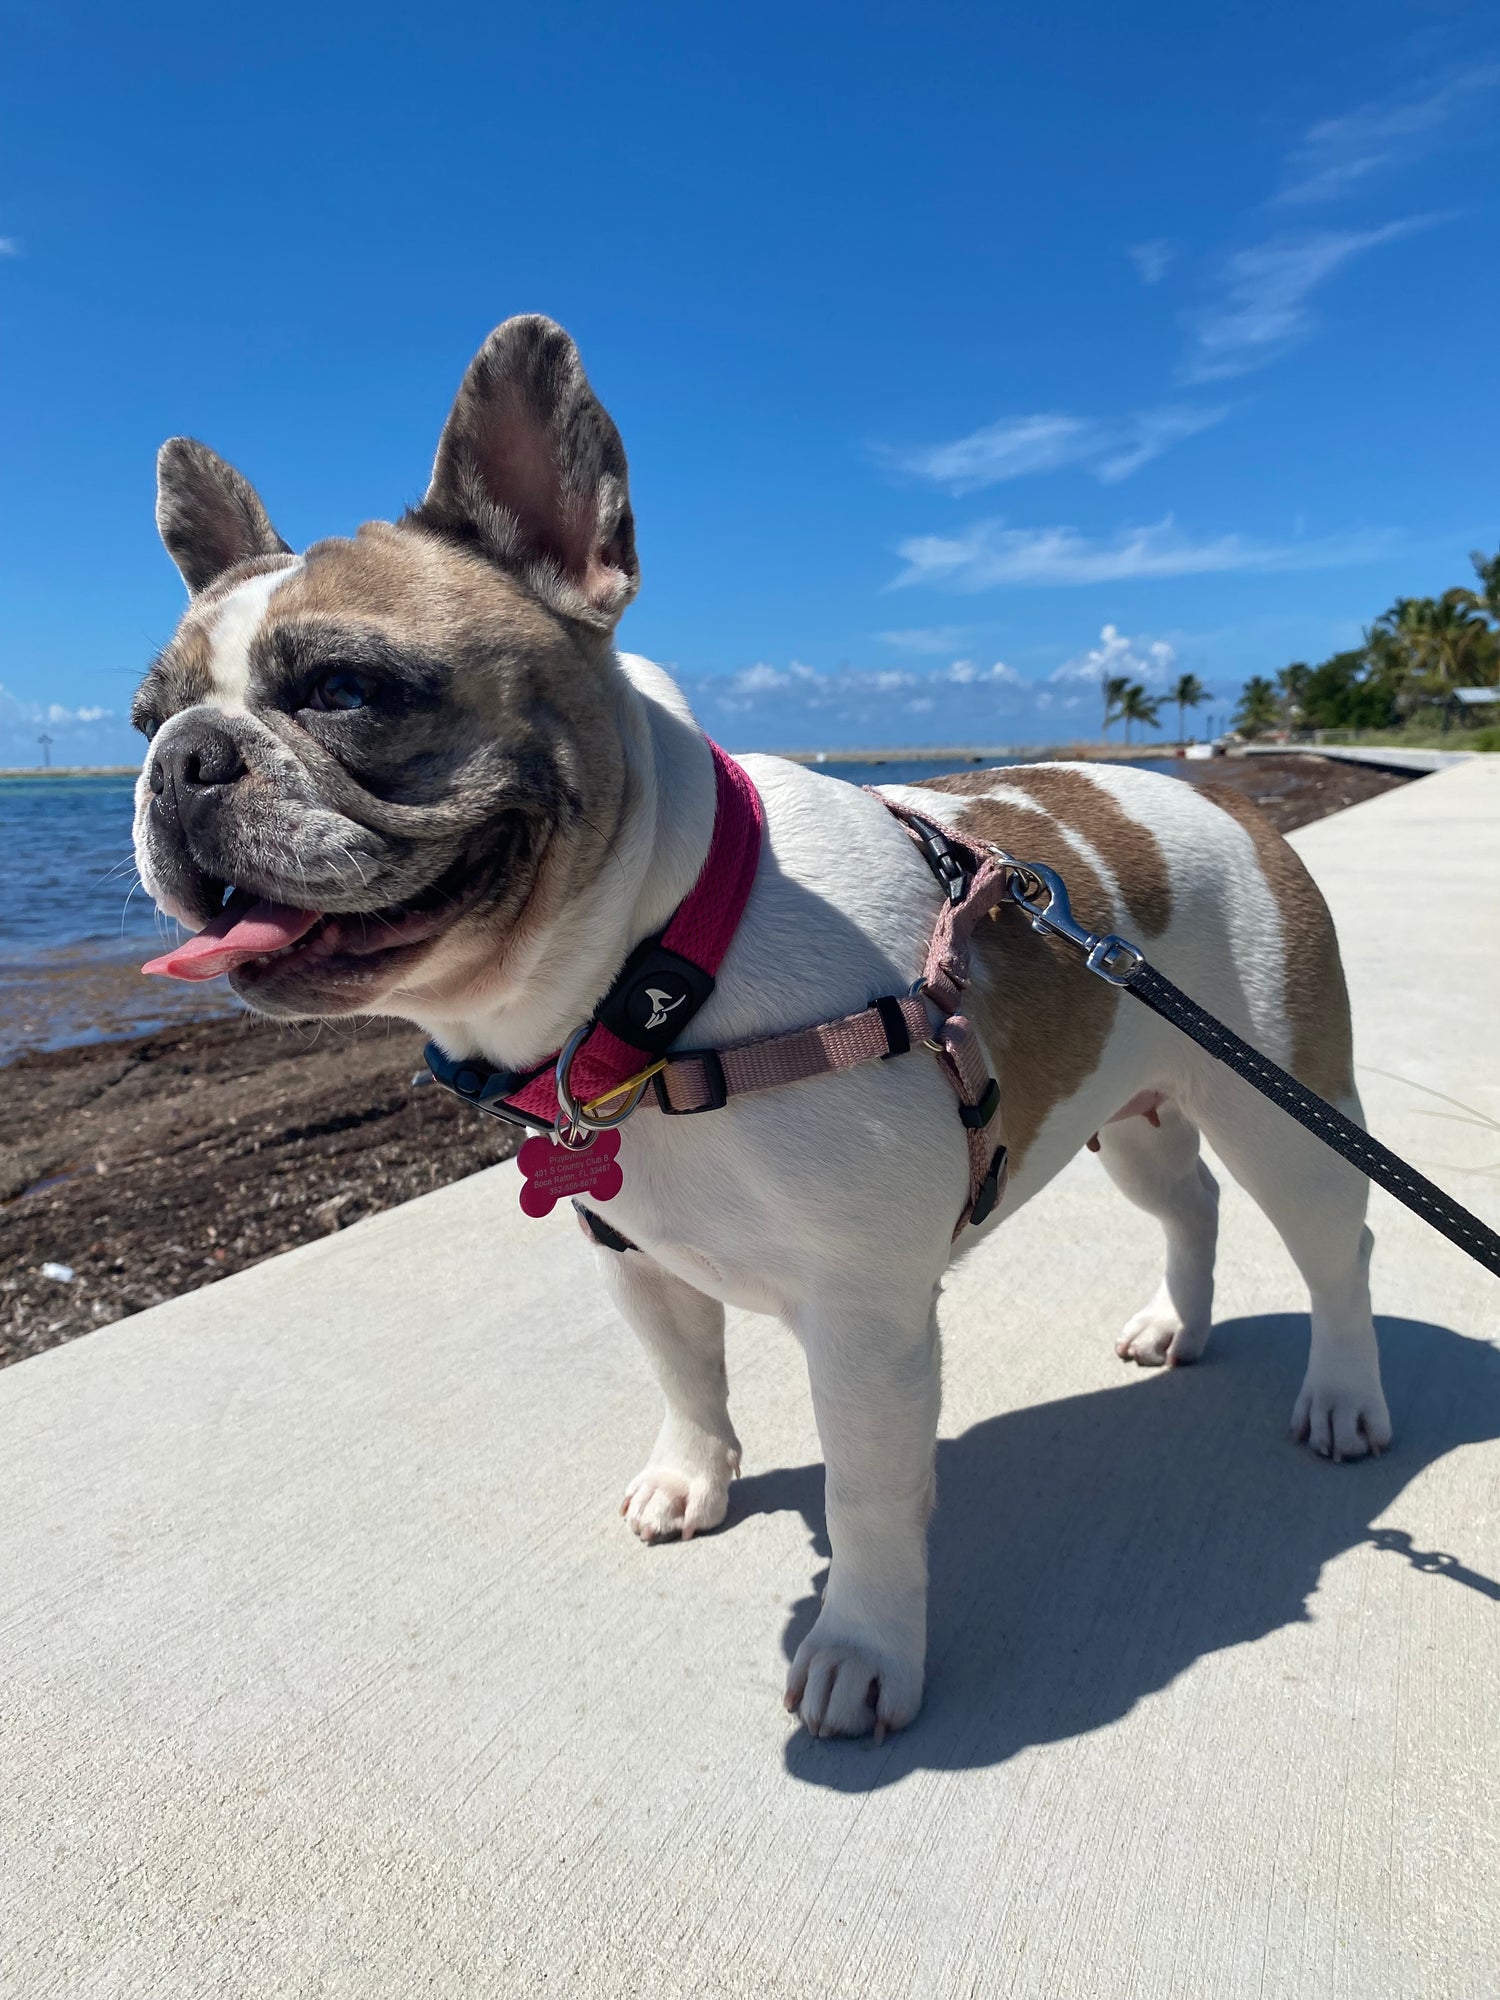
column 75, row 926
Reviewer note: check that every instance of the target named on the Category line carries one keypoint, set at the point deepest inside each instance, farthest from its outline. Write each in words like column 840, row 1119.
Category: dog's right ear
column 531, row 473
column 209, row 515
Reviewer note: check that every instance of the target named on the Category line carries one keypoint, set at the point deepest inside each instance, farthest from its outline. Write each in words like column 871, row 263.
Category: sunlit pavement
column 328, row 1667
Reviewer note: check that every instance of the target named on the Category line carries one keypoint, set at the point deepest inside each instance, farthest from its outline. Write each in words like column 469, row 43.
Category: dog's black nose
column 195, row 756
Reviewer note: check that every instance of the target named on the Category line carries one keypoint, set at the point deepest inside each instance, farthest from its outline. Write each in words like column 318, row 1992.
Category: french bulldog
column 409, row 774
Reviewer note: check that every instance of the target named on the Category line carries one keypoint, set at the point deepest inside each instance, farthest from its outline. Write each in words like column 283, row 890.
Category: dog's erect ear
column 209, row 515
column 531, row 471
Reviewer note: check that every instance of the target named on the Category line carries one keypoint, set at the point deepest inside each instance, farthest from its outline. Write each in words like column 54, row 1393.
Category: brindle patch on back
column 1317, row 1000
column 1044, row 1021
column 1131, row 849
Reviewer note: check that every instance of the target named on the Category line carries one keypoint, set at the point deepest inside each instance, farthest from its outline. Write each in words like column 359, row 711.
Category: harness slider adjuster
column 976, row 1116
column 713, row 1076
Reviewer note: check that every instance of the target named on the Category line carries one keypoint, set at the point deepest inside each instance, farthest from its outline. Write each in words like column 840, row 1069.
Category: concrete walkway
column 1385, row 757
column 327, row 1668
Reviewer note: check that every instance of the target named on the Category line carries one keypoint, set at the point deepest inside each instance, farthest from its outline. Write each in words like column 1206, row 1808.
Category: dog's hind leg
column 683, row 1488
column 1158, row 1167
column 1317, row 1203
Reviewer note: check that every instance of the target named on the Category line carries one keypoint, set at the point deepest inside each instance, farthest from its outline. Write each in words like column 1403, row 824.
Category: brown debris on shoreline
column 150, row 1167
column 1298, row 788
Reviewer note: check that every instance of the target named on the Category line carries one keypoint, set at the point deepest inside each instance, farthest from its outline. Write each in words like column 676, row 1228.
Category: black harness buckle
column 937, row 852
column 481, row 1084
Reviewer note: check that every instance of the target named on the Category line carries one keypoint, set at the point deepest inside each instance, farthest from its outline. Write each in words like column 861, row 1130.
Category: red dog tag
column 550, row 1171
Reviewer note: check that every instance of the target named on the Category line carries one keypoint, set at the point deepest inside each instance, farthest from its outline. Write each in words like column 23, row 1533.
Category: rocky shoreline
column 148, row 1167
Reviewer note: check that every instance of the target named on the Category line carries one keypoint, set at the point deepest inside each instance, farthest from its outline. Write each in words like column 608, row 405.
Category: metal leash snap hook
column 1113, row 959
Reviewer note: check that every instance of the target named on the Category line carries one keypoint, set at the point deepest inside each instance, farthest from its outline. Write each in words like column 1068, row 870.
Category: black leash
column 1124, row 965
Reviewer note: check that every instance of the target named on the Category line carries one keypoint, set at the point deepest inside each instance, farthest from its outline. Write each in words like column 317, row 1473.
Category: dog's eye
column 340, row 687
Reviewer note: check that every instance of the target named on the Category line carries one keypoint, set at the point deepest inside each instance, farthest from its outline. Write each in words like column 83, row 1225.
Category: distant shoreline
column 942, row 753
column 1031, row 753
column 72, row 771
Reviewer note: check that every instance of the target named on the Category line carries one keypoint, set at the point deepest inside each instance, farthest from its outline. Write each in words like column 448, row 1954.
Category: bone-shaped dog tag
column 550, row 1171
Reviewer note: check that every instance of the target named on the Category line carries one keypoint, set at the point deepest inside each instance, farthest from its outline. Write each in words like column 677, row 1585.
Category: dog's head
column 364, row 760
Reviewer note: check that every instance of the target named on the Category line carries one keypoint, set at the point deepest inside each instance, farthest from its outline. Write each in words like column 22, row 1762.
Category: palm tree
column 1291, row 684
column 1189, row 692
column 1487, row 569
column 1138, row 706
column 1113, row 689
column 1259, row 709
column 1458, row 637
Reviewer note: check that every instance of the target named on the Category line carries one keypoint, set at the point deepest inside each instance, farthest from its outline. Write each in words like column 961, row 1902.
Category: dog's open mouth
column 258, row 939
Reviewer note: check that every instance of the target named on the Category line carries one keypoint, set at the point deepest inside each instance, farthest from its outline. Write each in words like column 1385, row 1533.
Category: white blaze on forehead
column 240, row 618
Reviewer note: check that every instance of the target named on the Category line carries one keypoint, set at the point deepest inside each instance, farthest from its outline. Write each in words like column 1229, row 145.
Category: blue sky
column 961, row 354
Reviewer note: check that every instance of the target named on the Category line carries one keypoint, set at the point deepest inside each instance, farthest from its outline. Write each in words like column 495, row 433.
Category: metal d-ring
column 571, row 1112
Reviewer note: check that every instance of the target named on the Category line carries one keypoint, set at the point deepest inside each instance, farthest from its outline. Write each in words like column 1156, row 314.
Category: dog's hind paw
column 684, row 1490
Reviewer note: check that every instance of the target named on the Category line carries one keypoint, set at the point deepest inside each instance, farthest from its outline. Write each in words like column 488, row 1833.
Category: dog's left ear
column 531, row 471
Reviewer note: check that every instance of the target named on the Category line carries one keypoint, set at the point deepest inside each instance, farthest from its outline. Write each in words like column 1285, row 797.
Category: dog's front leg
column 876, row 1391
column 684, row 1485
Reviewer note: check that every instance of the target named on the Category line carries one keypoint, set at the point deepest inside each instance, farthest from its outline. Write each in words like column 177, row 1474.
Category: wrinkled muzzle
column 222, row 803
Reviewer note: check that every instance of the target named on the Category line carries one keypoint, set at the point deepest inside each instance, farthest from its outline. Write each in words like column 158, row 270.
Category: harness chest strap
column 697, row 1080
column 691, row 1081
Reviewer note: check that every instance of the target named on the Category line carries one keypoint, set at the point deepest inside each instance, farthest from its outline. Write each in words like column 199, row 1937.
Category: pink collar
column 659, row 989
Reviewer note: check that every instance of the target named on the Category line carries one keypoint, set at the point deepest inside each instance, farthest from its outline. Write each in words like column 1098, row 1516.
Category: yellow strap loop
column 643, row 1076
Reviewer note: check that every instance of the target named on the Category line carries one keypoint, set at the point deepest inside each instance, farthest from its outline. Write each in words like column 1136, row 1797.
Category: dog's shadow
column 1085, row 1552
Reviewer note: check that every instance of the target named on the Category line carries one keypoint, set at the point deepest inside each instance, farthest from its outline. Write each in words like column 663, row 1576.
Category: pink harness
column 598, row 1078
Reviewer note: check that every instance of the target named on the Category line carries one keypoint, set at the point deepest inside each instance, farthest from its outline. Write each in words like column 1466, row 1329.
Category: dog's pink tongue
column 243, row 929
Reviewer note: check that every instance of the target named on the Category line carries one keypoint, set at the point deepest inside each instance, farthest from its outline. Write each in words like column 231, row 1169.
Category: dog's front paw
column 846, row 1681
column 683, row 1489
column 1159, row 1336
column 1342, row 1419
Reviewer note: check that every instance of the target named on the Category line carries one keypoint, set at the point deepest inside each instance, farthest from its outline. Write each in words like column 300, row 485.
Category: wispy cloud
column 1341, row 156
column 1152, row 259
column 928, row 638
column 10, row 246
column 965, row 701
column 989, row 555
column 21, row 713
column 1013, row 447
column 83, row 735
column 1263, row 306
column 797, row 687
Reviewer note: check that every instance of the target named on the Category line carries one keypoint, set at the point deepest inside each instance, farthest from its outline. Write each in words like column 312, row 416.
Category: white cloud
column 1013, row 447
column 86, row 735
column 964, row 673
column 964, row 702
column 927, row 638
column 760, row 679
column 1151, row 259
column 1262, row 308
column 56, row 714
column 1147, row 661
column 9, row 246
column 989, row 555
column 1339, row 156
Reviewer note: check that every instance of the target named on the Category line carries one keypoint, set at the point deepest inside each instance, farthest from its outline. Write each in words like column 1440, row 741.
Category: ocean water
column 75, row 926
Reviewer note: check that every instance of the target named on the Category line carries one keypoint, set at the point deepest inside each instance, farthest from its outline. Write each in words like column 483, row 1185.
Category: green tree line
column 1411, row 658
